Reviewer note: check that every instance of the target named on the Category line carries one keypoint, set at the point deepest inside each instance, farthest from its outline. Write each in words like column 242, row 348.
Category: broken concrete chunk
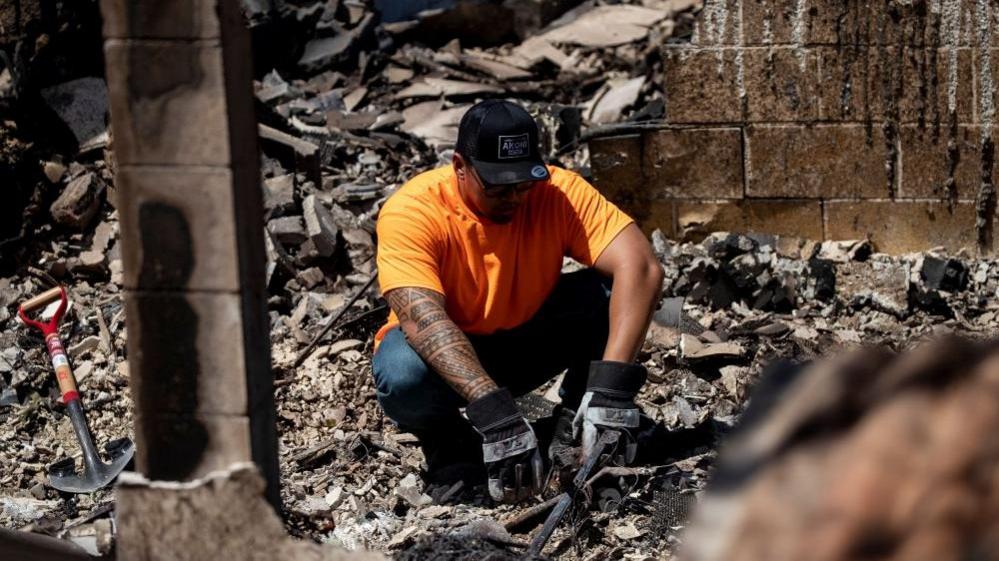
column 335, row 497
column 293, row 152
column 678, row 412
column 609, row 104
column 319, row 226
column 495, row 68
column 410, row 489
column 436, row 87
column 54, row 171
column 279, row 193
column 345, row 345
column 85, row 346
column 432, row 124
column 288, row 229
column 692, row 349
column 311, row 277
column 948, row 275
column 397, row 74
column 604, row 26
column 327, row 51
column 354, row 99
column 627, row 531
column 845, row 251
column 79, row 202
column 883, row 284
column 83, row 105
column 732, row 379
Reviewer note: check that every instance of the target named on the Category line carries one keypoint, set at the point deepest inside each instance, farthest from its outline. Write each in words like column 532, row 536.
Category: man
column 469, row 260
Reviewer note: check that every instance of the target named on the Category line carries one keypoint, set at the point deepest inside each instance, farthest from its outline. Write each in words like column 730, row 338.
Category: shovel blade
column 93, row 479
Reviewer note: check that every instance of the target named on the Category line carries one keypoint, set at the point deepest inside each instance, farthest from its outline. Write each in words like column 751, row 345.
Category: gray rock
column 79, row 202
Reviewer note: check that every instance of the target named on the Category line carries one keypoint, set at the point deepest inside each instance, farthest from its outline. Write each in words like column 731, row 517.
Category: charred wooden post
column 185, row 143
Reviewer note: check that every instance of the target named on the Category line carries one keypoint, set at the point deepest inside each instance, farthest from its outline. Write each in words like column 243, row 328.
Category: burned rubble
column 351, row 105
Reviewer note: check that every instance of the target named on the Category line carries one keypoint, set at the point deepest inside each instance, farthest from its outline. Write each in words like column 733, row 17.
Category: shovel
column 63, row 475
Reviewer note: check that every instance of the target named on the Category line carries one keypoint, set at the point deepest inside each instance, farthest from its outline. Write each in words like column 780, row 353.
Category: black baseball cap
column 500, row 140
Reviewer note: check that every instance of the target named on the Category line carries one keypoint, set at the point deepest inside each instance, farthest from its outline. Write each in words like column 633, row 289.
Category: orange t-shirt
column 493, row 276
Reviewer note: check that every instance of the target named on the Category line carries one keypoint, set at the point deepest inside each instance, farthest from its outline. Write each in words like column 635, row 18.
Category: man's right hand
column 509, row 447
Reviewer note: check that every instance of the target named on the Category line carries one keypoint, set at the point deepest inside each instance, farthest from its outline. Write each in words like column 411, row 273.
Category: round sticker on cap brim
column 539, row 171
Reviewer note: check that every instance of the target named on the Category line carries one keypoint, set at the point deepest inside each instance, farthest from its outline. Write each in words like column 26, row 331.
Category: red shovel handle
column 64, row 374
column 41, row 300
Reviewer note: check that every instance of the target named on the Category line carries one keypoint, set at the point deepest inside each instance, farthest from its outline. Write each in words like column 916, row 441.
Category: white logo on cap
column 513, row 146
column 539, row 171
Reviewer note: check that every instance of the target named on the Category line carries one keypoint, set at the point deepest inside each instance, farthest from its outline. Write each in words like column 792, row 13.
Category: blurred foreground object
column 868, row 456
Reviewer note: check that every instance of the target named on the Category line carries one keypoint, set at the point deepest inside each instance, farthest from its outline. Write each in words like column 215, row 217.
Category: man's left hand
column 609, row 404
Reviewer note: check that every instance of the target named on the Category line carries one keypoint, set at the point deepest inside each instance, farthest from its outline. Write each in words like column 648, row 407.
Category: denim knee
column 409, row 391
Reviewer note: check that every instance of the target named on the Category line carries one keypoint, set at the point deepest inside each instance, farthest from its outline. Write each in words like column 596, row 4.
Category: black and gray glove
column 609, row 404
column 509, row 447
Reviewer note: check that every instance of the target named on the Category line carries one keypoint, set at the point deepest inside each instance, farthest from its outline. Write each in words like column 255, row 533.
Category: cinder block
column 701, row 85
column 182, row 448
column 925, row 162
column 618, row 172
column 175, row 19
column 779, row 22
column 693, row 163
column 860, row 83
column 168, row 102
column 902, row 226
column 177, row 228
column 658, row 215
column 821, row 161
column 616, row 163
column 717, row 24
column 782, row 84
column 187, row 353
column 925, row 89
column 799, row 218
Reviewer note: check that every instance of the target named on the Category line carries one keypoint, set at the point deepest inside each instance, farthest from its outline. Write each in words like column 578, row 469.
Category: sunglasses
column 500, row 191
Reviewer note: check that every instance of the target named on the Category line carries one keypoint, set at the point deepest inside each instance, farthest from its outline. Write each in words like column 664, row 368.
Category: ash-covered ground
column 351, row 478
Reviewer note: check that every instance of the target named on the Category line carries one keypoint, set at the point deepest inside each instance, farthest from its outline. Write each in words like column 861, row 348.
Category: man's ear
column 458, row 163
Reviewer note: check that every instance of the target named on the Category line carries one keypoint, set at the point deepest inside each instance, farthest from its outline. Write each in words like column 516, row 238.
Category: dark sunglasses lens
column 503, row 190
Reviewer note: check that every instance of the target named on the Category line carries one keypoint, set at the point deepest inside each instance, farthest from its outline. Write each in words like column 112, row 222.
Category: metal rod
column 525, row 515
column 608, row 438
column 539, row 541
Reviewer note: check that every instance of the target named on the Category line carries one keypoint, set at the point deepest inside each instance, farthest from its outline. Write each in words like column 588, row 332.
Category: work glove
column 609, row 404
column 509, row 447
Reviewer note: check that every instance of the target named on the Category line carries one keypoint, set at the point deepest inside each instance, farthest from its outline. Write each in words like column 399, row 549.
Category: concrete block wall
column 826, row 119
column 189, row 198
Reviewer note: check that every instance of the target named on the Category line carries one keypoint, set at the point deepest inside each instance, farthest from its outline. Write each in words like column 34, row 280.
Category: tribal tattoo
column 436, row 338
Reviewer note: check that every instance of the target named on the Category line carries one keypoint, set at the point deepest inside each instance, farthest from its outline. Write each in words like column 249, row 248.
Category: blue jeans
column 568, row 331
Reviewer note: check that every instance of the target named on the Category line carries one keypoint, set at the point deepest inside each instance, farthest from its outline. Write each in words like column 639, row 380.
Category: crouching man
column 469, row 260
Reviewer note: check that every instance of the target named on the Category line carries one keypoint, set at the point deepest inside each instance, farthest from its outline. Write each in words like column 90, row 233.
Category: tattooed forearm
column 438, row 340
